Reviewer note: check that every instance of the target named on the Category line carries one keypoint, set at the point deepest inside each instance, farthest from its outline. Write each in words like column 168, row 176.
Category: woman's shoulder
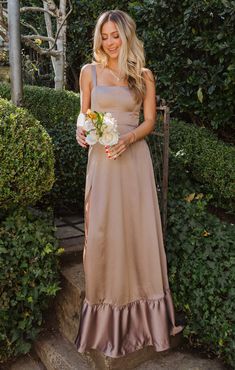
column 86, row 72
column 148, row 74
column 88, row 67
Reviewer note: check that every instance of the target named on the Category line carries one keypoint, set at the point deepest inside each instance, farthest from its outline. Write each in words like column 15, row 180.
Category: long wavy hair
column 131, row 57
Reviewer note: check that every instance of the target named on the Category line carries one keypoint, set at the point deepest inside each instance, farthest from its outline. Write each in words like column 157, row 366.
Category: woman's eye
column 115, row 37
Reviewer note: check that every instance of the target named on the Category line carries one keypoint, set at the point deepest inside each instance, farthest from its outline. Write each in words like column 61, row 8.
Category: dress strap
column 94, row 74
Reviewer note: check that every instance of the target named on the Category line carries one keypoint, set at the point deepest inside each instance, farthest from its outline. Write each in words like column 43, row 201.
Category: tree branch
column 64, row 20
column 51, row 5
column 25, row 24
column 34, row 37
column 36, row 9
column 41, row 51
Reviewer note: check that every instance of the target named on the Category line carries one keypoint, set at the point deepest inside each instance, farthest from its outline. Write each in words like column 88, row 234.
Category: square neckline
column 94, row 80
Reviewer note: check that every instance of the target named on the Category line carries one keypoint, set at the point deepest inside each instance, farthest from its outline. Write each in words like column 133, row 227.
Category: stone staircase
column 55, row 346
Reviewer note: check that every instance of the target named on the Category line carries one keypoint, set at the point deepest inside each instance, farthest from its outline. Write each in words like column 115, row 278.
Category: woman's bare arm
column 149, row 105
column 85, row 82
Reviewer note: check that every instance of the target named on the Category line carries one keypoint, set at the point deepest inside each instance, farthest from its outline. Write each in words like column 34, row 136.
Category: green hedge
column 201, row 258
column 209, row 161
column 70, row 169
column 57, row 111
column 47, row 105
column 29, row 278
column 26, row 157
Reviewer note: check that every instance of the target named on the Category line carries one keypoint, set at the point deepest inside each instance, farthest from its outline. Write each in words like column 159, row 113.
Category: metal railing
column 158, row 142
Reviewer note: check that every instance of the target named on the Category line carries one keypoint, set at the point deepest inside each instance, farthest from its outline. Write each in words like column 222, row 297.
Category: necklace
column 118, row 78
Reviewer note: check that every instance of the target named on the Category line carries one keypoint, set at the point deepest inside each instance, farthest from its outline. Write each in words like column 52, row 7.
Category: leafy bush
column 26, row 156
column 49, row 106
column 5, row 92
column 28, row 278
column 209, row 161
column 70, row 169
column 57, row 111
column 200, row 252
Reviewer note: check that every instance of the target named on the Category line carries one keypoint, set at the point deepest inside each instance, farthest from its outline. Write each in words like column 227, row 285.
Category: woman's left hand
column 116, row 150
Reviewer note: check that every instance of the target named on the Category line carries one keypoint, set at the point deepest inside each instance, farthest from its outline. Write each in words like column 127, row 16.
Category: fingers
column 80, row 137
column 115, row 151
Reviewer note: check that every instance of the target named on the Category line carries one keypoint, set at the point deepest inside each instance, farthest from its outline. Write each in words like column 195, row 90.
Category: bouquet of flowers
column 100, row 127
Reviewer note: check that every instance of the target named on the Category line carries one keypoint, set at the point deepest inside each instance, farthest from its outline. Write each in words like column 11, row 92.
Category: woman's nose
column 109, row 41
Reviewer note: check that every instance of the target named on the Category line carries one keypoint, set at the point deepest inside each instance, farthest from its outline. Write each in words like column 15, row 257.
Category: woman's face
column 111, row 41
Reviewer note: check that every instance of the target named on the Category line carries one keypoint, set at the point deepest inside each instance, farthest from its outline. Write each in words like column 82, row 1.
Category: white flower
column 108, row 114
column 88, row 125
column 109, row 138
column 92, row 138
column 109, row 120
column 81, row 120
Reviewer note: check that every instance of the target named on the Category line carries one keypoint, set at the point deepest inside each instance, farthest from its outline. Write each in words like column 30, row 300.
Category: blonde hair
column 131, row 59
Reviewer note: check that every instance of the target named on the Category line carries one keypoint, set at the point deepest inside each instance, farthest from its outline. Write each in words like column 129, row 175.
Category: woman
column 128, row 303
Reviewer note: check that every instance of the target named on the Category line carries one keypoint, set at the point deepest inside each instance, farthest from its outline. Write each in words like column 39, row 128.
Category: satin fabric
column 128, row 302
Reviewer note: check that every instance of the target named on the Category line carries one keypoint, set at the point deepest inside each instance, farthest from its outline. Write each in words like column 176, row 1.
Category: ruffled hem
column 120, row 330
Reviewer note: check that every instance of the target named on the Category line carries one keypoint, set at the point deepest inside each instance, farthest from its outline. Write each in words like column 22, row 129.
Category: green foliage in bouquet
column 28, row 278
column 26, row 157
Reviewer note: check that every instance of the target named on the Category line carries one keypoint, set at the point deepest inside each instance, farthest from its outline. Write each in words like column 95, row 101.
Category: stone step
column 27, row 362
column 68, row 306
column 182, row 360
column 69, row 300
column 70, row 235
column 73, row 249
column 57, row 353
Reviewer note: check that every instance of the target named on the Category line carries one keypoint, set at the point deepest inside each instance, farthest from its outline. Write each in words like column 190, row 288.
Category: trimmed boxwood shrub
column 57, row 111
column 26, row 157
column 201, row 258
column 28, row 278
column 209, row 161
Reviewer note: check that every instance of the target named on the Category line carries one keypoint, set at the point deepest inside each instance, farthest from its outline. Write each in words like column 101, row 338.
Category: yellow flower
column 205, row 233
column 91, row 114
column 190, row 197
column 38, row 41
column 199, row 196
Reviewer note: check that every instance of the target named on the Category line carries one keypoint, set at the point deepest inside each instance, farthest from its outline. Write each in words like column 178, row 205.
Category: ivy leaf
column 200, row 94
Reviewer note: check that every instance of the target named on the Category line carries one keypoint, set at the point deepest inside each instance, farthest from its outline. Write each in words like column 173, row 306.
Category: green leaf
column 200, row 94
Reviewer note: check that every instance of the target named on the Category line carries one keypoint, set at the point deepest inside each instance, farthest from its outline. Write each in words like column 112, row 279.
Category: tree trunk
column 58, row 62
column 15, row 52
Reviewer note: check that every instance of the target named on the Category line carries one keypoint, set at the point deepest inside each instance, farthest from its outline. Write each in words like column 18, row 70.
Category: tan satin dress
column 128, row 303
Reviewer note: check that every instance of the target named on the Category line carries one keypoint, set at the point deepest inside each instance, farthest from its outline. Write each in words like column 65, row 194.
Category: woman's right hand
column 80, row 136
